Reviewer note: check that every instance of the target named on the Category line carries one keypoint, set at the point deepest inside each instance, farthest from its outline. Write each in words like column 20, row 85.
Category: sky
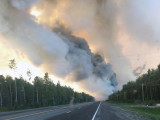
column 125, row 33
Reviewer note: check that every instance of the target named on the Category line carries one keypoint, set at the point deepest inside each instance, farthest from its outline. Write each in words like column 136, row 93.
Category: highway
column 85, row 111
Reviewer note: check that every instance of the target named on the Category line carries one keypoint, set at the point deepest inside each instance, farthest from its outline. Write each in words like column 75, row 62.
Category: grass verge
column 120, row 103
column 152, row 113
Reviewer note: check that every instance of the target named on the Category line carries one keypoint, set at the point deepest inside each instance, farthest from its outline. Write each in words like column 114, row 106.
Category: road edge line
column 96, row 111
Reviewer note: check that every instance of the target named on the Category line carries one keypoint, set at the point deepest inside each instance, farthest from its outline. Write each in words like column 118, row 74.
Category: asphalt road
column 82, row 113
column 85, row 111
column 42, row 113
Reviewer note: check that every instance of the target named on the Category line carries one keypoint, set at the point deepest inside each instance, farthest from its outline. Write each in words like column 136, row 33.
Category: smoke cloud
column 91, row 38
column 110, row 27
column 56, row 50
column 98, row 21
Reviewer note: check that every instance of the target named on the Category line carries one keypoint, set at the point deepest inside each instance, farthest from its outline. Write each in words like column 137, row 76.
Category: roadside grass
column 15, row 109
column 152, row 113
column 121, row 103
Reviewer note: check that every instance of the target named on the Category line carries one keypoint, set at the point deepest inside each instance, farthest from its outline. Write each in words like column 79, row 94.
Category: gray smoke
column 78, row 49
column 85, row 63
column 108, row 23
column 100, row 18
column 105, row 25
column 56, row 51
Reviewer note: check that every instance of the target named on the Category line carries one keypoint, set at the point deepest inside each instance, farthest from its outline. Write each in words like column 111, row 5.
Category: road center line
column 68, row 112
column 96, row 111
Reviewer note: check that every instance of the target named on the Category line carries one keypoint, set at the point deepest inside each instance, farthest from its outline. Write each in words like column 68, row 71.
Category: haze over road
column 85, row 111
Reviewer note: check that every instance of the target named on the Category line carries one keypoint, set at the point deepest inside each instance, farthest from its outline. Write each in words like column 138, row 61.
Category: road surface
column 85, row 111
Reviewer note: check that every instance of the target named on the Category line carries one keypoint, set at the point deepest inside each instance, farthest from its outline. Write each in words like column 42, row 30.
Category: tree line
column 18, row 93
column 146, row 89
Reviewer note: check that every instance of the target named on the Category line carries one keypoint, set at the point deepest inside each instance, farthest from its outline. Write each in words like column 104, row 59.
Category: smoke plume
column 56, row 50
column 83, row 40
column 110, row 27
column 98, row 21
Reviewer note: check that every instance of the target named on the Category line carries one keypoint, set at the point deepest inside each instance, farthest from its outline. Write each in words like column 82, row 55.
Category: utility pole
column 1, row 103
column 150, row 92
column 53, row 101
column 142, row 92
column 124, row 95
column 37, row 95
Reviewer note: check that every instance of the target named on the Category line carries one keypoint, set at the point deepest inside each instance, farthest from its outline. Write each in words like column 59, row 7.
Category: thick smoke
column 86, row 65
column 101, row 19
column 106, row 24
column 112, row 28
column 57, row 50
column 22, row 4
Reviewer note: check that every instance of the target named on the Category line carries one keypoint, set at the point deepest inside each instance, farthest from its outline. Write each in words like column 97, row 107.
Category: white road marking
column 68, row 112
column 96, row 111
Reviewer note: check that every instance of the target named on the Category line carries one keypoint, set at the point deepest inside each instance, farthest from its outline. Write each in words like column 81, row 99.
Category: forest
column 18, row 93
column 145, row 90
